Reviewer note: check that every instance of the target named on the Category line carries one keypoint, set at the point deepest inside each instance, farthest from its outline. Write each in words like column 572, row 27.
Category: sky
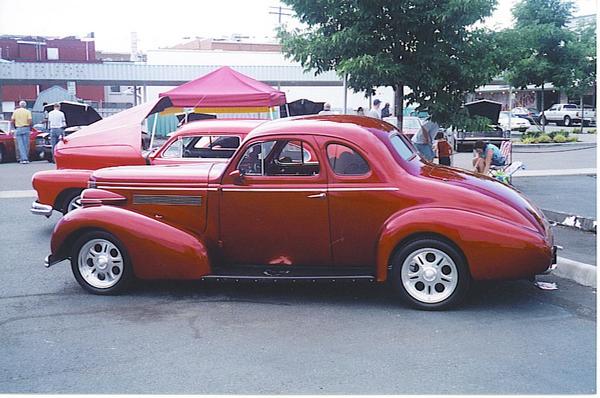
column 164, row 23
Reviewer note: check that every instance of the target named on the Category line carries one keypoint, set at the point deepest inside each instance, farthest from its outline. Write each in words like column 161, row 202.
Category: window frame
column 353, row 176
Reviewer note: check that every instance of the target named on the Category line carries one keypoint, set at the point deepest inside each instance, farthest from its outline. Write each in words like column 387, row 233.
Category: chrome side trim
column 155, row 188
column 304, row 278
column 167, row 200
column 323, row 190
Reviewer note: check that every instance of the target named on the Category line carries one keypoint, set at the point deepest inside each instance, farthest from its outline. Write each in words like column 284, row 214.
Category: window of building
column 52, row 53
column 115, row 89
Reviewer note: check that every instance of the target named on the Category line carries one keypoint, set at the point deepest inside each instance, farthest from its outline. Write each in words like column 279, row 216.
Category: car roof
column 346, row 127
column 221, row 126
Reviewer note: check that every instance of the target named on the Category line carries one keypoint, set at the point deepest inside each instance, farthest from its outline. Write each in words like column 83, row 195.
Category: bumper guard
column 41, row 209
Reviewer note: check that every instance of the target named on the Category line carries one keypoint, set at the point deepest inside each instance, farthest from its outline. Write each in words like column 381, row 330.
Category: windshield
column 401, row 147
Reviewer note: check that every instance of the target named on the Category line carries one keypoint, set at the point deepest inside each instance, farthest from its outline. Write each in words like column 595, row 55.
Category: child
column 443, row 149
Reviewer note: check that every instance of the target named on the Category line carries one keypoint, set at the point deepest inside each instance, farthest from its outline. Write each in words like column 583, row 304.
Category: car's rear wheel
column 567, row 121
column 100, row 263
column 430, row 274
column 543, row 121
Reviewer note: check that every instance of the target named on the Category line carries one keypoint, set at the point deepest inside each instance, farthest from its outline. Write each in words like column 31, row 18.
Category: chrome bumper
column 41, row 209
column 554, row 264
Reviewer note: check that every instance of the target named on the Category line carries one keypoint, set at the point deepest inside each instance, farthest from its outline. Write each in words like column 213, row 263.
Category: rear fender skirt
column 157, row 250
column 493, row 248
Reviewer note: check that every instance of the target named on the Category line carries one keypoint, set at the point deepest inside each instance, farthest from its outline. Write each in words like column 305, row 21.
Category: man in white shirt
column 56, row 124
column 326, row 109
column 423, row 140
column 375, row 112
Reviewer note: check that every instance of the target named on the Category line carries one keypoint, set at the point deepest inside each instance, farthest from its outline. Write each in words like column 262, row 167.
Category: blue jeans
column 55, row 135
column 426, row 151
column 22, row 137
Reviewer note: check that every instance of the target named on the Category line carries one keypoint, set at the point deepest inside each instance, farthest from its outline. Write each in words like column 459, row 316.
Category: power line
column 279, row 11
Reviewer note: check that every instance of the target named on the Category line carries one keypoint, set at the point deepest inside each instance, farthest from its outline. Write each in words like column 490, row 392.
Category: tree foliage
column 428, row 46
column 580, row 70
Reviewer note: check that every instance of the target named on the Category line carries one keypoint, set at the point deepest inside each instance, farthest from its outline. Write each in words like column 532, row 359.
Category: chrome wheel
column 100, row 263
column 429, row 275
column 74, row 204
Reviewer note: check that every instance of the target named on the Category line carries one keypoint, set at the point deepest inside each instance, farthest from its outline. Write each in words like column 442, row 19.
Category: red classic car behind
column 364, row 206
column 8, row 152
column 78, row 156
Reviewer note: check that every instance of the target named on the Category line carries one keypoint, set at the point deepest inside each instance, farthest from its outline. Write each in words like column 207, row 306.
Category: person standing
column 21, row 119
column 375, row 112
column 385, row 112
column 360, row 111
column 56, row 124
column 326, row 109
column 423, row 140
column 443, row 149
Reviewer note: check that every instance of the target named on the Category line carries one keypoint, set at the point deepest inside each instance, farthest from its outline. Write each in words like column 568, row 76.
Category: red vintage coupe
column 306, row 198
column 81, row 153
column 8, row 150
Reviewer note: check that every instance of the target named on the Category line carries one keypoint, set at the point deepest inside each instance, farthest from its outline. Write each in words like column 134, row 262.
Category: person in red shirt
column 443, row 149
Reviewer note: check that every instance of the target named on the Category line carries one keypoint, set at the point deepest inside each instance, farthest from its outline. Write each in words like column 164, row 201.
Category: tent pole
column 287, row 109
column 345, row 93
column 153, row 131
column 271, row 112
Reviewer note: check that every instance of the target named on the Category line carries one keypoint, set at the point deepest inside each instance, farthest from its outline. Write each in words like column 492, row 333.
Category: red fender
column 157, row 250
column 493, row 248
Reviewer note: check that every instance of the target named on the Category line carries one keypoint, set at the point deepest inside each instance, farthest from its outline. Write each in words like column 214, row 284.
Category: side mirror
column 238, row 177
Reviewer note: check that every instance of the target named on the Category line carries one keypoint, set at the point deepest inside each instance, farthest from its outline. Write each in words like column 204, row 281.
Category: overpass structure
column 139, row 74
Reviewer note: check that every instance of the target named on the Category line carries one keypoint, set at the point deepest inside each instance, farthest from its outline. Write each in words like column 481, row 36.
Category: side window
column 175, row 150
column 570, row 106
column 279, row 158
column 346, row 161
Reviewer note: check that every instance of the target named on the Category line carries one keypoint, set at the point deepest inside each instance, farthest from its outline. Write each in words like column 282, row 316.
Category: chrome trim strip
column 323, row 190
column 165, row 188
column 363, row 189
column 262, row 277
column 167, row 200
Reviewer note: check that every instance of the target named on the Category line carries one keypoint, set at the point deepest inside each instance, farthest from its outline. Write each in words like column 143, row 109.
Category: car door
column 273, row 208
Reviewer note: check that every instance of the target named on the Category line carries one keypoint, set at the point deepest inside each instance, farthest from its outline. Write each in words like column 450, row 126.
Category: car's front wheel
column 567, row 121
column 100, row 263
column 71, row 201
column 430, row 274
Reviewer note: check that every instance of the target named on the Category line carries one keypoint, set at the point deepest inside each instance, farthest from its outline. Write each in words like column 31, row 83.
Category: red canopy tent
column 225, row 88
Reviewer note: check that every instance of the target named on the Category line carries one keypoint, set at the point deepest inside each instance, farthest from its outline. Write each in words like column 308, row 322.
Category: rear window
column 570, row 106
column 401, row 147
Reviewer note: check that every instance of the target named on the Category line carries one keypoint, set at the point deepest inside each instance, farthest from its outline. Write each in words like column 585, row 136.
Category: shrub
column 572, row 139
column 592, row 131
column 543, row 139
column 559, row 138
column 527, row 140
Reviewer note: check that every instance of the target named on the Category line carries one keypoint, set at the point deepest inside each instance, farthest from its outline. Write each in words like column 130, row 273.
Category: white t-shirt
column 375, row 113
column 56, row 119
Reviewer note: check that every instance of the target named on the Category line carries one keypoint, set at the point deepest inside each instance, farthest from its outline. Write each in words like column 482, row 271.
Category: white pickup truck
column 568, row 114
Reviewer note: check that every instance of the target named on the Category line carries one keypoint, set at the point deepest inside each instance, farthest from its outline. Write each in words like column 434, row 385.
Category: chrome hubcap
column 74, row 204
column 429, row 275
column 100, row 263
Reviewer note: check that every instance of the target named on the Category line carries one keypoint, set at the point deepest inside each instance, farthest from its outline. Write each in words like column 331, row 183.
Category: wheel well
column 427, row 235
column 59, row 203
column 64, row 251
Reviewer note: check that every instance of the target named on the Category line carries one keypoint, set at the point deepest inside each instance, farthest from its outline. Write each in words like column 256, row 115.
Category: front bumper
column 41, row 209
column 554, row 264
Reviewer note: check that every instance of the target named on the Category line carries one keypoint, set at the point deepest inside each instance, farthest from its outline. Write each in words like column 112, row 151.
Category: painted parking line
column 28, row 193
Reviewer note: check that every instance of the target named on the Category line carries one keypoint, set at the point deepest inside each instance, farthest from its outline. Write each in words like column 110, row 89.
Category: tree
column 432, row 49
column 581, row 67
column 540, row 40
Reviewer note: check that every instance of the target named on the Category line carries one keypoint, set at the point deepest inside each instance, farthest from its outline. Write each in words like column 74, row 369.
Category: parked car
column 569, row 114
column 195, row 142
column 410, row 124
column 8, row 149
column 493, row 133
column 506, row 119
column 77, row 115
column 531, row 114
column 366, row 207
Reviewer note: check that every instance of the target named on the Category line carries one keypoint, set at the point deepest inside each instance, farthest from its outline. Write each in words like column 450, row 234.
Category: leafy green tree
column 433, row 49
column 540, row 41
column 580, row 73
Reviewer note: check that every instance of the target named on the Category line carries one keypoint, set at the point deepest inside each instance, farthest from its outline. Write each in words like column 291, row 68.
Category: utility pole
column 280, row 11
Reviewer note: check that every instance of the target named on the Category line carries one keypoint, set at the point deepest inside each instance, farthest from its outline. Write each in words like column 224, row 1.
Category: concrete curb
column 571, row 220
column 584, row 274
column 554, row 145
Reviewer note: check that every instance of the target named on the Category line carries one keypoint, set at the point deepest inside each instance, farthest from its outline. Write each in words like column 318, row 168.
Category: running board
column 254, row 273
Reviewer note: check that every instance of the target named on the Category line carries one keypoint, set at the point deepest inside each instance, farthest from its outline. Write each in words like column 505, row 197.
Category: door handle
column 318, row 195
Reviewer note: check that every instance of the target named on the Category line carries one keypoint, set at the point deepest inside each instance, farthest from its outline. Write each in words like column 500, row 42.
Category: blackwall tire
column 430, row 274
column 100, row 263
column 567, row 121
column 71, row 202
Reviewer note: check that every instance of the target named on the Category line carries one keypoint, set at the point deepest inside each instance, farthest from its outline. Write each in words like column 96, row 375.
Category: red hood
column 172, row 175
column 113, row 141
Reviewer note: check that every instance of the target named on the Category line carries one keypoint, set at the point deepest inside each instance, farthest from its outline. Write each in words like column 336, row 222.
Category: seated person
column 487, row 155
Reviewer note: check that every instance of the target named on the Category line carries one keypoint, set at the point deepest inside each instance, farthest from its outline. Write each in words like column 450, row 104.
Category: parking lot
column 273, row 338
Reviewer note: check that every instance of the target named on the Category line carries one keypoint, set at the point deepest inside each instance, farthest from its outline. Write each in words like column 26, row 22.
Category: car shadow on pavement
column 499, row 296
